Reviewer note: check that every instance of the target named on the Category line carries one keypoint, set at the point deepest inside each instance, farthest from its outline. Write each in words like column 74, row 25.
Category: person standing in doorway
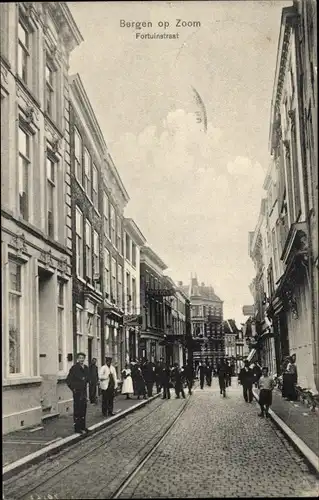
column 291, row 379
column 266, row 385
column 108, row 382
column 77, row 380
column 93, row 381
column 246, row 378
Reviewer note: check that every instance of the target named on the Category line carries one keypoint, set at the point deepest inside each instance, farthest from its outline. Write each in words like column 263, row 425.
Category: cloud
column 244, row 166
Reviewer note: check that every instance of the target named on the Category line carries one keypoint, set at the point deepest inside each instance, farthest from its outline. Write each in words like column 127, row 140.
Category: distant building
column 207, row 323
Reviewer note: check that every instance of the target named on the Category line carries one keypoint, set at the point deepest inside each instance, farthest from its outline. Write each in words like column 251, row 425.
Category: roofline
column 110, row 161
column 148, row 252
column 131, row 225
column 286, row 14
column 70, row 19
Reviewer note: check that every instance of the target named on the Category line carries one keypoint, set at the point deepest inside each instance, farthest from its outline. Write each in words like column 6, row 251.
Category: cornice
column 64, row 20
column 133, row 230
column 153, row 257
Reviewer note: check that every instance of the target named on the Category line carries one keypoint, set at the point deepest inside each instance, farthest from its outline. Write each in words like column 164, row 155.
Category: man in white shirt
column 108, row 384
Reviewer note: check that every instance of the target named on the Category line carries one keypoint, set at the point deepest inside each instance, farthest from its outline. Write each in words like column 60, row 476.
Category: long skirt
column 127, row 387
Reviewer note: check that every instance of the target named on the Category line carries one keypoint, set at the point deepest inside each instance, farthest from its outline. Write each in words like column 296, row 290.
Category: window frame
column 113, row 224
column 120, row 285
column 79, row 236
column 88, row 249
column 61, row 334
column 87, row 170
column 20, row 294
column 134, row 254
column 114, row 279
column 52, row 183
column 107, row 275
column 106, row 215
column 96, row 254
column 26, row 159
column 26, row 50
column 78, row 161
column 51, row 88
column 95, row 186
column 79, row 333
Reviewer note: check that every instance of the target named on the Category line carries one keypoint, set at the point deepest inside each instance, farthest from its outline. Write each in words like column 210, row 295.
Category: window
column 120, row 286
column 134, row 304
column 49, row 89
column 24, row 140
column 98, row 328
column 134, row 254
column 60, row 323
column 127, row 247
column 79, row 328
column 96, row 253
column 15, row 320
column 119, row 236
column 88, row 249
column 113, row 236
column 23, row 52
column 95, row 197
column 106, row 215
column 79, row 242
column 107, row 283
column 87, row 173
column 90, row 324
column 128, row 293
column 114, row 288
column 51, row 167
column 78, row 156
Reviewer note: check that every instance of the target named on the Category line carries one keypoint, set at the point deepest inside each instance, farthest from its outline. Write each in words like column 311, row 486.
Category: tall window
column 95, row 184
column 78, row 156
column 15, row 320
column 107, row 283
column 128, row 293
column 96, row 253
column 23, row 52
column 127, row 247
column 49, row 89
column 133, row 254
column 24, row 174
column 106, row 214
column 87, row 173
column 79, row 328
column 134, row 303
column 120, row 285
column 79, row 242
column 119, row 235
column 114, row 287
column 88, row 249
column 51, row 167
column 60, row 323
column 113, row 234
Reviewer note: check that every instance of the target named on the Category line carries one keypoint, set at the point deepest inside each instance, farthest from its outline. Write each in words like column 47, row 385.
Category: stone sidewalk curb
column 15, row 467
column 311, row 458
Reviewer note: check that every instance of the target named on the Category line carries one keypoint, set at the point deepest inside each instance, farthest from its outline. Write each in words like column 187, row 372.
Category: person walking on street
column 77, row 380
column 266, row 385
column 93, row 381
column 149, row 377
column 202, row 374
column 166, row 379
column 127, row 386
column 108, row 383
column 140, row 383
column 178, row 377
column 246, row 378
column 222, row 377
column 209, row 372
column 158, row 369
column 188, row 371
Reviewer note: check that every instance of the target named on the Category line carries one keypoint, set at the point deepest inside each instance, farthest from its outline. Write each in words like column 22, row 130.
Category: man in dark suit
column 77, row 381
column 94, row 379
column 148, row 372
column 179, row 378
column 165, row 380
column 246, row 378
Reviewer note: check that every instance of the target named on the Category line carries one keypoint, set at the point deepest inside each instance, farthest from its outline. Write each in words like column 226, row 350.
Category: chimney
column 180, row 283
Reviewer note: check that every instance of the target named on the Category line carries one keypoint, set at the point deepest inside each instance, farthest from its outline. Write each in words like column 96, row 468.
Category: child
column 266, row 385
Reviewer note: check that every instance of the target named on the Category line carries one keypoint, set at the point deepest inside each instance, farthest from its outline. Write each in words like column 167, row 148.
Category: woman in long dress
column 127, row 387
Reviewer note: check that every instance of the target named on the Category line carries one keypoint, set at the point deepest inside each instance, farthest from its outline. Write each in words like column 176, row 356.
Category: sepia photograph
column 159, row 249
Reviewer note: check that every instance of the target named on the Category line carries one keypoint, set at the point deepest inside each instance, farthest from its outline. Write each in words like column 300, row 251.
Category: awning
column 251, row 355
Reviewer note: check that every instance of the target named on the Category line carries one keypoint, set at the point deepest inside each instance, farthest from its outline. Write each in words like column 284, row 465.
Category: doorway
column 90, row 350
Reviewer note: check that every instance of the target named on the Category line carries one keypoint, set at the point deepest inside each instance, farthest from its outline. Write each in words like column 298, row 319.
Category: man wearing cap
column 108, row 384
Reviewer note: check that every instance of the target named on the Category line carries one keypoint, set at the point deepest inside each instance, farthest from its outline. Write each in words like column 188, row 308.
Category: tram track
column 145, row 452
column 125, row 483
column 108, row 439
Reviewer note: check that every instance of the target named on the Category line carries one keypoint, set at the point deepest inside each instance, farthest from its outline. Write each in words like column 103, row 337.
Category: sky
column 194, row 194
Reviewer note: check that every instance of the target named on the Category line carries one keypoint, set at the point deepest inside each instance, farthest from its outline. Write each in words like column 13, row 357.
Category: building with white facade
column 133, row 241
column 36, row 42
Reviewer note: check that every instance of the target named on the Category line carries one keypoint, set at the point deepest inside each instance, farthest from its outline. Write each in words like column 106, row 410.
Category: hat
column 107, row 356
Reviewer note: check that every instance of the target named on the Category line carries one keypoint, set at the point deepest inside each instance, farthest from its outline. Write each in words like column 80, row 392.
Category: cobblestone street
column 218, row 448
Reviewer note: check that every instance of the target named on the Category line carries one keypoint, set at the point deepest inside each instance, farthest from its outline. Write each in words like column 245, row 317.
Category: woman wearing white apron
column 127, row 387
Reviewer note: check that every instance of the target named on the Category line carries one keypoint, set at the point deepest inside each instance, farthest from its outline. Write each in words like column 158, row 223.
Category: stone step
column 50, row 416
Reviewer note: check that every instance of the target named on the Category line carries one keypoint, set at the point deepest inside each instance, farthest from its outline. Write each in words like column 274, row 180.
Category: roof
column 134, row 231
column 148, row 252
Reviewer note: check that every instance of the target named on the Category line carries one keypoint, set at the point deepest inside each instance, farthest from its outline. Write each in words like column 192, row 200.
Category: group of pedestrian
column 255, row 375
column 223, row 372
column 138, row 378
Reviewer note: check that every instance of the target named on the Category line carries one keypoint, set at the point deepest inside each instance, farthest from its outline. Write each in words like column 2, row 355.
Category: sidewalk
column 301, row 420
column 19, row 444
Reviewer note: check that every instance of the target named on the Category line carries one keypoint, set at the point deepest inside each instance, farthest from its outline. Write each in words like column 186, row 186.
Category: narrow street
column 218, row 447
